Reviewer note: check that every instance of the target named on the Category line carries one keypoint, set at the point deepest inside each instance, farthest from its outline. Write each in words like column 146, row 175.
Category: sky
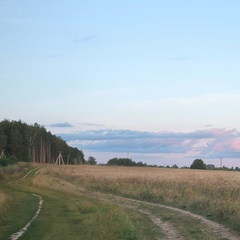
column 157, row 81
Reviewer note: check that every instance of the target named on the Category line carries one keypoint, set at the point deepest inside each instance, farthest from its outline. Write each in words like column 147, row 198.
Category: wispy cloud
column 210, row 143
column 62, row 125
column 92, row 124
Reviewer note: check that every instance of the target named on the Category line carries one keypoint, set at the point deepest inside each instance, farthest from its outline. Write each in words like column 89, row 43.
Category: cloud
column 229, row 146
column 210, row 143
column 62, row 125
column 92, row 124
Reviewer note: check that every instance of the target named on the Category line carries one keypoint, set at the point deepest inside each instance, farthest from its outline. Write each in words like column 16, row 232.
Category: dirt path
column 18, row 234
column 168, row 229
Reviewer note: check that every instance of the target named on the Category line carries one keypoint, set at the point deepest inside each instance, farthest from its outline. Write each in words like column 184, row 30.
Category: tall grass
column 14, row 170
column 215, row 194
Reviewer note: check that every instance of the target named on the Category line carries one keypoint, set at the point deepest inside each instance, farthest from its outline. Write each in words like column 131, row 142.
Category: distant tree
column 174, row 166
column 198, row 164
column 141, row 164
column 91, row 161
column 121, row 162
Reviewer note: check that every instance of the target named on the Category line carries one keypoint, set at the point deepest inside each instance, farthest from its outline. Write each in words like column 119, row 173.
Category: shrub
column 7, row 161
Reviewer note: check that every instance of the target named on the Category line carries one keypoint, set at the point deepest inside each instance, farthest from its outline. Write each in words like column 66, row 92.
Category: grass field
column 65, row 214
column 215, row 194
column 74, row 208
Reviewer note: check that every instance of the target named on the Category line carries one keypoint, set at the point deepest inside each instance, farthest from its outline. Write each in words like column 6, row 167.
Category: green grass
column 17, row 212
column 67, row 215
column 69, row 212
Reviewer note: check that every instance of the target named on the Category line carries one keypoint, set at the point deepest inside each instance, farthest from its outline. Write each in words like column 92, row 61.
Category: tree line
column 33, row 143
column 124, row 162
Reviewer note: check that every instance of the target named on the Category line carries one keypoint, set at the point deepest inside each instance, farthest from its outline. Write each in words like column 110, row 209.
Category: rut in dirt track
column 168, row 229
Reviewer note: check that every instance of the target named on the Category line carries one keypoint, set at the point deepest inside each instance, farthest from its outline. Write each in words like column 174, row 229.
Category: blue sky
column 126, row 78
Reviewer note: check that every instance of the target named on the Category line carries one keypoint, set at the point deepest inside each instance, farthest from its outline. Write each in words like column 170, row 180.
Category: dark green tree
column 33, row 143
column 174, row 166
column 121, row 162
column 91, row 161
column 198, row 164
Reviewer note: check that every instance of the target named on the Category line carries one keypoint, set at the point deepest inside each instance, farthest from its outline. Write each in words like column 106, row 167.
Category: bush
column 7, row 161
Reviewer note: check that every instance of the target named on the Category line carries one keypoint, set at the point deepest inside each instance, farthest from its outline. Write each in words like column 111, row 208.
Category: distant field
column 215, row 194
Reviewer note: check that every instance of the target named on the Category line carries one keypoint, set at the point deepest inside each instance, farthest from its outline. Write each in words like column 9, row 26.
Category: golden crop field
column 215, row 194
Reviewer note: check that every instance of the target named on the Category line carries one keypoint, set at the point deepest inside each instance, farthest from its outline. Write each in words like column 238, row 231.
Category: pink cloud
column 228, row 145
column 221, row 132
column 235, row 144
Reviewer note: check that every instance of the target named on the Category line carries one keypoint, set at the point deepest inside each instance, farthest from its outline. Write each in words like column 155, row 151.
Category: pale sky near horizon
column 156, row 80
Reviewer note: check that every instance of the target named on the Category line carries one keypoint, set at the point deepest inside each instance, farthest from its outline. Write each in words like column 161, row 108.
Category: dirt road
column 170, row 231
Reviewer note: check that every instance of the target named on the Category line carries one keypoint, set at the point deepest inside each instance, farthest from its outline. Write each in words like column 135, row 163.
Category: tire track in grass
column 220, row 230
column 18, row 234
column 25, row 175
column 217, row 228
column 167, row 228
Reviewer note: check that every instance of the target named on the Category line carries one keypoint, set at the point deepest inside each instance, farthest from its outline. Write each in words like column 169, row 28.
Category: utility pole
column 2, row 154
column 220, row 162
column 59, row 160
